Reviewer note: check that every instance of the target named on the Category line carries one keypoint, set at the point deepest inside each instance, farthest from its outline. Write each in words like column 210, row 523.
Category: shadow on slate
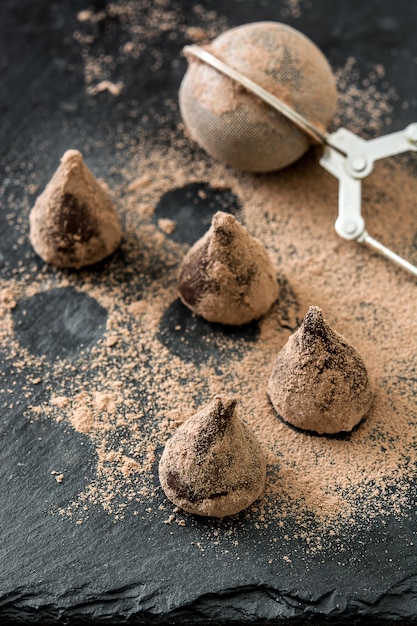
column 189, row 337
column 59, row 322
column 192, row 208
column 195, row 340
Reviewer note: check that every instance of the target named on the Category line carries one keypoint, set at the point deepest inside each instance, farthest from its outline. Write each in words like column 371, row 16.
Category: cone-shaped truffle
column 227, row 276
column 73, row 222
column 213, row 465
column 319, row 382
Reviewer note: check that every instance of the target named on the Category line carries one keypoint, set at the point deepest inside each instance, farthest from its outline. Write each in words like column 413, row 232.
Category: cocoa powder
column 338, row 483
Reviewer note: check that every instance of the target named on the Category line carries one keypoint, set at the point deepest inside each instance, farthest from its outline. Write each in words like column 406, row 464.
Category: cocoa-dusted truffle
column 73, row 222
column 227, row 276
column 213, row 465
column 319, row 382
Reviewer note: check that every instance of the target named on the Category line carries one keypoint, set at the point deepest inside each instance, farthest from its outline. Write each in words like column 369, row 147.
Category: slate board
column 52, row 571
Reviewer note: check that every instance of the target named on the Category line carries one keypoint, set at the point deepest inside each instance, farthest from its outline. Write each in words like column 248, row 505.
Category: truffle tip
column 222, row 220
column 224, row 405
column 313, row 323
column 71, row 155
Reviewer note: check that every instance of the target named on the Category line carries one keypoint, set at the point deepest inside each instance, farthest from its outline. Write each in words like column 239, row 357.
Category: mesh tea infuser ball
column 236, row 127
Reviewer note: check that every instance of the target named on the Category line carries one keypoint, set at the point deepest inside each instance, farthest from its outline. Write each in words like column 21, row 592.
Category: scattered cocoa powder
column 7, row 298
column 337, row 481
column 327, row 486
column 106, row 85
column 139, row 183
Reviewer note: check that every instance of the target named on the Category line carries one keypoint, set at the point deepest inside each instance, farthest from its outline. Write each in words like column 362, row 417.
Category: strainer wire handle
column 205, row 56
column 377, row 246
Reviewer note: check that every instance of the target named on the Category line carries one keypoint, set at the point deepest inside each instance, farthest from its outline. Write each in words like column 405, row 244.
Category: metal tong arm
column 350, row 158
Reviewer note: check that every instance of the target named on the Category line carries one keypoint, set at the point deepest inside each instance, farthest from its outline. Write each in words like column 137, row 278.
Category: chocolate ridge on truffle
column 227, row 276
column 319, row 382
column 73, row 222
column 213, row 465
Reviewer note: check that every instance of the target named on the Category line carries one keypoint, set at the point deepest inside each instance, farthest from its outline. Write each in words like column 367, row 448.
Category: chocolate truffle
column 73, row 222
column 227, row 276
column 319, row 382
column 213, row 465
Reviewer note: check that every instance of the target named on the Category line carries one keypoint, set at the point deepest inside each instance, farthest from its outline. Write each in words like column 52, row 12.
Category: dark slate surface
column 140, row 571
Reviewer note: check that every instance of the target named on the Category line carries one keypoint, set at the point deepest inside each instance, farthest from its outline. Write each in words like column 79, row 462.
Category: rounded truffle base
column 70, row 253
column 216, row 504
column 342, row 426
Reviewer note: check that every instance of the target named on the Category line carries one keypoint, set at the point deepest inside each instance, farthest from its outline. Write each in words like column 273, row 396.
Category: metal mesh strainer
column 236, row 127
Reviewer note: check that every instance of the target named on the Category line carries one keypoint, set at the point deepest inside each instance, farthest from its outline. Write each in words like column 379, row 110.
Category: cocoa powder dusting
column 213, row 465
column 319, row 381
column 227, row 275
column 128, row 393
column 73, row 222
